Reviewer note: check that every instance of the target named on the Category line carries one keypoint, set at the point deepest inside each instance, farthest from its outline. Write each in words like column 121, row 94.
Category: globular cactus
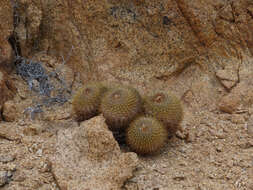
column 146, row 135
column 166, row 108
column 120, row 106
column 86, row 101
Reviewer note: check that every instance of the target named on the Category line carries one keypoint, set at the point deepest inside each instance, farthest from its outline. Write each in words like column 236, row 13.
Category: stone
column 6, row 87
column 228, row 78
column 229, row 103
column 3, row 178
column 241, row 96
column 7, row 131
column 88, row 157
column 10, row 111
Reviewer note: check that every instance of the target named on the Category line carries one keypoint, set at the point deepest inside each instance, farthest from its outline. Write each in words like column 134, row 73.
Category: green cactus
column 120, row 106
column 166, row 108
column 146, row 135
column 86, row 102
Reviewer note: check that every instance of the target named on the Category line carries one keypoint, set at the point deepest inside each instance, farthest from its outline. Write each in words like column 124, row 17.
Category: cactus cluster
column 145, row 122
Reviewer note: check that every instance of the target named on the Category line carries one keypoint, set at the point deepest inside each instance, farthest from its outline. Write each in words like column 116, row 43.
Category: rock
column 229, row 103
column 6, row 88
column 202, row 27
column 228, row 78
column 10, row 111
column 8, row 131
column 138, row 31
column 240, row 96
column 6, row 28
column 14, row 110
column 5, row 177
column 88, row 157
column 30, row 131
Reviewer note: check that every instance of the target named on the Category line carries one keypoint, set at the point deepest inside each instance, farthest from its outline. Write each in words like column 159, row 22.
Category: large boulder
column 88, row 157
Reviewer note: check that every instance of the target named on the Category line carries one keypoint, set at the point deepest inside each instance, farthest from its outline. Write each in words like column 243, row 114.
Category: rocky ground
column 200, row 50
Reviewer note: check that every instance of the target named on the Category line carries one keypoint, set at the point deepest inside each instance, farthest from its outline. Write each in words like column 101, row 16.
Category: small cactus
column 146, row 135
column 166, row 108
column 87, row 100
column 120, row 106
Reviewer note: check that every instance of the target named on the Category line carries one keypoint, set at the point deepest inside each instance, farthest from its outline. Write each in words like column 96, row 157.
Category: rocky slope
column 200, row 50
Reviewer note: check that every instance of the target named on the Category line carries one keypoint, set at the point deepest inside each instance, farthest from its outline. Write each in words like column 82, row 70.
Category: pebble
column 229, row 103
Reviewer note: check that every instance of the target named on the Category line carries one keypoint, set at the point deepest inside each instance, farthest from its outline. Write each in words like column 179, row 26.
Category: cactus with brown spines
column 120, row 105
column 146, row 135
column 86, row 102
column 166, row 107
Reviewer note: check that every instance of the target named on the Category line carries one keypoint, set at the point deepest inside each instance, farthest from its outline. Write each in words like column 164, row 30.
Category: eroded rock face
column 156, row 40
column 6, row 53
column 88, row 157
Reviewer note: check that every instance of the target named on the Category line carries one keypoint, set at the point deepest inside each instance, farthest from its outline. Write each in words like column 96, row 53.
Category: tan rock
column 88, row 157
column 229, row 103
column 227, row 77
column 15, row 109
column 6, row 88
column 9, row 131
column 10, row 111
column 241, row 94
